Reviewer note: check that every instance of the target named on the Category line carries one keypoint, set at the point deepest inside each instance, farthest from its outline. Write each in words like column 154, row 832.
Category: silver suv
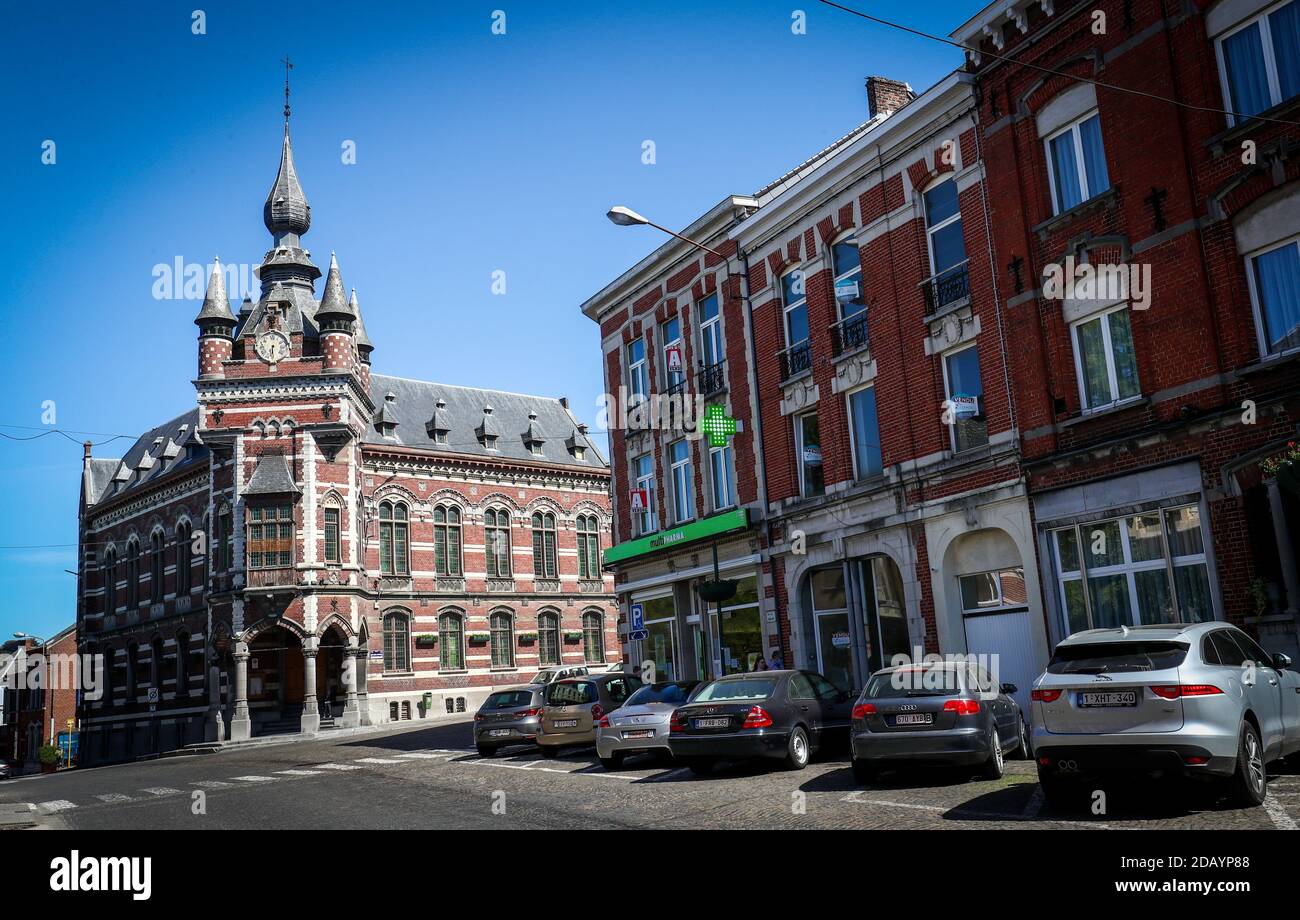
column 1199, row 700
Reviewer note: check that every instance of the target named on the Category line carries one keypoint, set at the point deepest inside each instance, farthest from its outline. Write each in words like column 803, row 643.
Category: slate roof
column 271, row 476
column 155, row 454
column 462, row 415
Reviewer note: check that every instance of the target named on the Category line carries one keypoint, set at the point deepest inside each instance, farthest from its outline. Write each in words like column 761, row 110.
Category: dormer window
column 488, row 431
column 490, row 441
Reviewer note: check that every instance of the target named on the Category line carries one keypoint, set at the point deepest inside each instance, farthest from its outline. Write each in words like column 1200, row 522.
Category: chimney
column 564, row 401
column 885, row 95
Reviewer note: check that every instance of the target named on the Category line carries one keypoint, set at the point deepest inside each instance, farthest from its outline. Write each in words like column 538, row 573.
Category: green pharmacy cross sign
column 717, row 425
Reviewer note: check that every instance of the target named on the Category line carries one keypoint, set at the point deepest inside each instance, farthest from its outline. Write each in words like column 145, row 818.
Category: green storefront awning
column 687, row 533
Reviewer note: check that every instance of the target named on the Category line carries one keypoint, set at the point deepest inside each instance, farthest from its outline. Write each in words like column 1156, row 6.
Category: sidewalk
column 17, row 816
column 217, row 747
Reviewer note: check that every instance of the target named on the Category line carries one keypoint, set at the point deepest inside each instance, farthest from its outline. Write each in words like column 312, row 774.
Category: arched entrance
column 331, row 691
column 276, row 677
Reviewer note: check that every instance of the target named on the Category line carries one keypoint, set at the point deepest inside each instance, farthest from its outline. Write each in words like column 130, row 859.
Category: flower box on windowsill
column 479, row 638
column 427, row 640
column 573, row 636
column 527, row 638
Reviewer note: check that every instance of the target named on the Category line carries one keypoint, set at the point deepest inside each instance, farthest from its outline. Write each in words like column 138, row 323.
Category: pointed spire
column 334, row 309
column 216, row 306
column 286, row 212
column 363, row 343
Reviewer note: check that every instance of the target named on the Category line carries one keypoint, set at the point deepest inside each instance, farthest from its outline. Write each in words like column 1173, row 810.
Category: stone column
column 1285, row 552
column 310, row 711
column 351, row 717
column 215, row 729
column 241, row 726
column 362, row 676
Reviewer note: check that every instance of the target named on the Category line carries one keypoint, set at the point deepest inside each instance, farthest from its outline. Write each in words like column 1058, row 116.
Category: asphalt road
column 430, row 777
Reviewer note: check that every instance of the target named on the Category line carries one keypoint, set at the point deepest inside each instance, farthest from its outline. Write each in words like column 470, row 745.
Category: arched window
column 397, row 629
column 156, row 675
column 446, row 540
column 183, row 558
column 157, row 565
column 110, row 580
column 496, row 528
column 451, row 642
column 332, row 515
column 224, row 552
column 548, row 638
column 132, row 574
column 132, row 673
column 593, row 637
column 544, row 565
column 183, row 664
column 394, row 542
column 588, row 546
column 106, row 670
column 503, row 639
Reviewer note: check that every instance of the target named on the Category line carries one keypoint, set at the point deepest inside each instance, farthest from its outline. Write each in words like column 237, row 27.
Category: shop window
column 1142, row 569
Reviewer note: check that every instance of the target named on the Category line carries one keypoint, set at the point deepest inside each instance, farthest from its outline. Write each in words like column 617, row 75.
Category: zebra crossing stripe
column 114, row 798
column 212, row 784
column 425, row 755
column 298, row 772
column 57, row 805
column 337, row 766
column 378, row 760
column 254, row 779
column 161, row 790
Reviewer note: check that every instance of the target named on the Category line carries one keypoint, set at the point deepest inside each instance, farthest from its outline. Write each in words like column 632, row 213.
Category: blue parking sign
column 638, row 617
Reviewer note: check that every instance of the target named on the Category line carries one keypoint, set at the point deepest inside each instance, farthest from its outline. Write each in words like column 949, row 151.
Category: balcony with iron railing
column 946, row 290
column 849, row 334
column 795, row 360
column 711, row 378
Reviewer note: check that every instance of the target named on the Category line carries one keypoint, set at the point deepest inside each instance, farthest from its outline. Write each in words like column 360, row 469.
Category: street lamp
column 626, row 217
column 22, row 635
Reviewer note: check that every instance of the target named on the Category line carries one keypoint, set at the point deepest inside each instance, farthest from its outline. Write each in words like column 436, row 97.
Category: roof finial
column 288, row 66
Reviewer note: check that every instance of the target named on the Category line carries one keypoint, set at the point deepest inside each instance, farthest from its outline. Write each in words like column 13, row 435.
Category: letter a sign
column 673, row 354
column 639, row 500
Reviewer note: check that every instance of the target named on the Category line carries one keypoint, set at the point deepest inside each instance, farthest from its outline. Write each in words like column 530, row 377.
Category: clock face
column 272, row 347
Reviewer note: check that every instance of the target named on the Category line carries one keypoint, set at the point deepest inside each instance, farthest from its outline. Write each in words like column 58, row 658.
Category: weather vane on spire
column 288, row 66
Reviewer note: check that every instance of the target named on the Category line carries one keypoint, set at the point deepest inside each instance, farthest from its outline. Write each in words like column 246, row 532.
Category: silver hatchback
column 1200, row 700
column 510, row 716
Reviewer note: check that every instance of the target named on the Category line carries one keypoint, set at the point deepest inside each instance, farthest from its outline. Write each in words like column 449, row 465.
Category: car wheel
column 485, row 750
column 797, row 751
column 613, row 761
column 1057, row 793
column 550, row 752
column 1249, row 784
column 993, row 767
column 1022, row 749
column 864, row 771
column 701, row 766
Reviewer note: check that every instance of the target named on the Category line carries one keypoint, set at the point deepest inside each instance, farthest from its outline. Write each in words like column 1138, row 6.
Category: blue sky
column 474, row 153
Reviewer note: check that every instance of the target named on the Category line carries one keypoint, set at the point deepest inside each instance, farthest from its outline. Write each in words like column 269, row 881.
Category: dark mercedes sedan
column 783, row 715
column 942, row 714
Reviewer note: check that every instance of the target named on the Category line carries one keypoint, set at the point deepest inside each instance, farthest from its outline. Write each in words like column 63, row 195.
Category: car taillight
column 529, row 713
column 962, row 707
column 675, row 724
column 478, row 717
column 862, row 710
column 596, row 713
column 604, row 722
column 1045, row 696
column 1175, row 691
column 757, row 718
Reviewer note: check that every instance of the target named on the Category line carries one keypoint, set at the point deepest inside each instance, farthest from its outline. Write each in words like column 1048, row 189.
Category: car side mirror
column 1009, row 688
column 1281, row 662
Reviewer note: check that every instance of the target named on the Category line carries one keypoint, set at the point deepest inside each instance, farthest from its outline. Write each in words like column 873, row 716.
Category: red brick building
column 1147, row 405
column 39, row 702
column 315, row 544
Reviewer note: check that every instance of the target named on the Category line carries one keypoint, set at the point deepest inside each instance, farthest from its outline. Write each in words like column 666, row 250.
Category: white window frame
column 728, row 480
column 1257, row 304
column 1270, row 62
column 853, row 431
column 948, row 221
column 788, row 308
column 710, row 332
column 1077, row 137
column 636, row 373
column 947, row 395
column 1002, row 606
column 682, row 474
column 1112, row 376
column 798, row 447
column 649, row 519
column 849, row 237
column 1167, row 563
column 672, row 378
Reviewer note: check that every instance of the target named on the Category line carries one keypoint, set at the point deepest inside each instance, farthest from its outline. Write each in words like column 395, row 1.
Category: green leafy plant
column 479, row 638
column 1259, row 596
column 1284, row 462
column 49, row 755
column 426, row 640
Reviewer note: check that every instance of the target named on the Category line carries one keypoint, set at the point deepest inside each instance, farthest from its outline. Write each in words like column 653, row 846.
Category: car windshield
column 913, row 682
column 544, row 677
column 674, row 693
column 509, row 699
column 1116, row 657
column 749, row 688
column 570, row 693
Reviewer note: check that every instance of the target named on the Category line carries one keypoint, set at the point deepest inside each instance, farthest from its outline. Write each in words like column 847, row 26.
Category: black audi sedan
column 783, row 715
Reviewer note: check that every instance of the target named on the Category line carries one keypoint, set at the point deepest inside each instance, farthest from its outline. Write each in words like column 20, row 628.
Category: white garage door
column 1006, row 635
